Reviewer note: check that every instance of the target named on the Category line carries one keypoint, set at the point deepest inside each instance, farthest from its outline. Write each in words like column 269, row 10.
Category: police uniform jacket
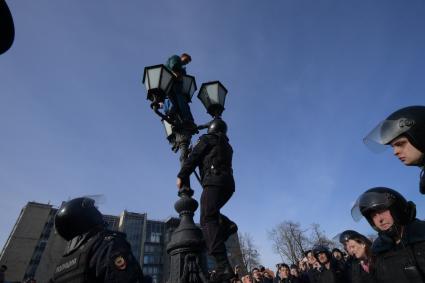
column 213, row 154
column 98, row 256
column 403, row 262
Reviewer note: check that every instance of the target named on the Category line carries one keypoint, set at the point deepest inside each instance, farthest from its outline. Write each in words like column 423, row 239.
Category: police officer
column 94, row 254
column 400, row 247
column 213, row 154
column 404, row 131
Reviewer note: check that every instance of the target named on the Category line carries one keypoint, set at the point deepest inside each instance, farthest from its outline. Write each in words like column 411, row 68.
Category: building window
column 148, row 259
column 155, row 237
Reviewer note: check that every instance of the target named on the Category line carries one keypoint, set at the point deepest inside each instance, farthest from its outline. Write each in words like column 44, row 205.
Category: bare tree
column 289, row 241
column 250, row 255
column 319, row 238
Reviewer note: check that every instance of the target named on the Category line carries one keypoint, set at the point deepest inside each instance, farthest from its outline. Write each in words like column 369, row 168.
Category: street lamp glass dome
column 158, row 81
column 213, row 96
column 189, row 86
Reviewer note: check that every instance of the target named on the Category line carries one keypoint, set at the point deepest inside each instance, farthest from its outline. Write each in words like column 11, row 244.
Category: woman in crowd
column 360, row 246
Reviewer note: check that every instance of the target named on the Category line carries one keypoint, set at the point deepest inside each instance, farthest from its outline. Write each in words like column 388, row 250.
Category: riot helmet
column 76, row 217
column 379, row 199
column 217, row 126
column 408, row 121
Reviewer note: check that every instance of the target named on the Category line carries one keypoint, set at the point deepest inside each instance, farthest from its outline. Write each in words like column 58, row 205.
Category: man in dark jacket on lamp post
column 213, row 155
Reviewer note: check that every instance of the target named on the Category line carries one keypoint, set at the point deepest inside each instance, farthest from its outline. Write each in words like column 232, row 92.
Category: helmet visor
column 371, row 201
column 355, row 212
column 385, row 132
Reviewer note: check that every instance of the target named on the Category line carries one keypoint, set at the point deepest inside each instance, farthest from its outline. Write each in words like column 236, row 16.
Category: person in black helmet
column 94, row 254
column 213, row 155
column 400, row 247
column 404, row 131
column 329, row 271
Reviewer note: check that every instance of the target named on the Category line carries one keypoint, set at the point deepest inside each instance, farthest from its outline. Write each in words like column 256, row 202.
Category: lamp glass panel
column 203, row 96
column 221, row 95
column 187, row 85
column 192, row 88
column 166, row 80
column 213, row 93
column 146, row 80
column 167, row 128
column 154, row 76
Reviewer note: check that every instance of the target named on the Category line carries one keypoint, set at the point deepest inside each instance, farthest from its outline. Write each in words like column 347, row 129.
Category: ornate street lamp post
column 186, row 245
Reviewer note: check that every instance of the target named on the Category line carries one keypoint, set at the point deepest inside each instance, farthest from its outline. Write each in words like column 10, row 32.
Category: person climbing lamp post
column 186, row 246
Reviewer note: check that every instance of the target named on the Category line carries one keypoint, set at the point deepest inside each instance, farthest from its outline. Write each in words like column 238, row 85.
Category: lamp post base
column 187, row 245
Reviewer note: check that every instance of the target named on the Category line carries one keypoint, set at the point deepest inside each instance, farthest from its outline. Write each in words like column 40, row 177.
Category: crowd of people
column 320, row 264
column 398, row 253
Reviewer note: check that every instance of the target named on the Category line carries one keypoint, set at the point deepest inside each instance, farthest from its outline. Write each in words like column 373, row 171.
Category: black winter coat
column 403, row 262
column 358, row 275
column 98, row 256
column 213, row 154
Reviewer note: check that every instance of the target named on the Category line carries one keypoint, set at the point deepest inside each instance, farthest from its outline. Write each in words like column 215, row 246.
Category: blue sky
column 307, row 80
